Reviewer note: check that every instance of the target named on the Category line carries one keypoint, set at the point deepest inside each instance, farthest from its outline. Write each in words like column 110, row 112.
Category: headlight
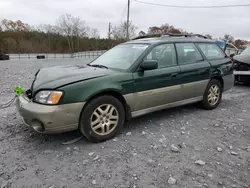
column 48, row 97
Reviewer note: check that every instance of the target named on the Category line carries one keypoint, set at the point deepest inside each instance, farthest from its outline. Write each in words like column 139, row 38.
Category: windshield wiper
column 99, row 66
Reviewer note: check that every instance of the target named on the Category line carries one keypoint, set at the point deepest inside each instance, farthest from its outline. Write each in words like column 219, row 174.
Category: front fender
column 102, row 89
column 83, row 91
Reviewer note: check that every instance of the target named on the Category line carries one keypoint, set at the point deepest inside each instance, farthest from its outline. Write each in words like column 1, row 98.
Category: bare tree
column 228, row 38
column 1, row 39
column 72, row 27
column 50, row 30
column 16, row 30
column 119, row 32
column 79, row 30
column 94, row 33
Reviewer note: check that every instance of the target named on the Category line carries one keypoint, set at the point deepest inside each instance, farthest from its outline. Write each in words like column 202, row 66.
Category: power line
column 193, row 7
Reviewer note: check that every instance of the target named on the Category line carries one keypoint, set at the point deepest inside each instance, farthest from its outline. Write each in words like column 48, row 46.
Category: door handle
column 174, row 74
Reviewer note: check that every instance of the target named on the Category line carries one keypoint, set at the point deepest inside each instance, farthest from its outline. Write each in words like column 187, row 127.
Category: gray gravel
column 140, row 156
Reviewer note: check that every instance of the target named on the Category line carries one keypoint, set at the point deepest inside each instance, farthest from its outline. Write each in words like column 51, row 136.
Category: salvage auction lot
column 149, row 150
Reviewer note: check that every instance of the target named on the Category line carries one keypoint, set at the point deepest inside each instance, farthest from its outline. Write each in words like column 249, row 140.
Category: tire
column 208, row 104
column 94, row 113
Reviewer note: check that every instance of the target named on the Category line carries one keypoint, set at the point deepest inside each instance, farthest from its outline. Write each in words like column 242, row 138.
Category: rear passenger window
column 188, row 53
column 211, row 51
column 164, row 54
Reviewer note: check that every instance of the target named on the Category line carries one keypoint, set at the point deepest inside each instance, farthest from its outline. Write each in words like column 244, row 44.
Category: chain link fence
column 85, row 54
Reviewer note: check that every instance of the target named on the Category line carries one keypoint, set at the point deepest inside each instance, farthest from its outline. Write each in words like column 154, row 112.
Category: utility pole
column 128, row 20
column 109, row 33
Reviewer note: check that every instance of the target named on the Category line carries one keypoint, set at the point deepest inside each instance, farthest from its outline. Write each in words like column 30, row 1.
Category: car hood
column 54, row 77
column 242, row 58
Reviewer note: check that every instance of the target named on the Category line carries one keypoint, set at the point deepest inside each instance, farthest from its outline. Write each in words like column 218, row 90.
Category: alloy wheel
column 104, row 119
column 213, row 95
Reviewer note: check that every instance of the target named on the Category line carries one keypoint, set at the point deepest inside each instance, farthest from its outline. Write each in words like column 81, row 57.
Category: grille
column 238, row 66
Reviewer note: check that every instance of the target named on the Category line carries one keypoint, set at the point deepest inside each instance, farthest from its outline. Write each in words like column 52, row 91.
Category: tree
column 228, row 38
column 240, row 43
column 71, row 27
column 120, row 32
column 94, row 33
column 70, row 34
column 50, row 31
column 2, row 40
column 163, row 29
column 15, row 30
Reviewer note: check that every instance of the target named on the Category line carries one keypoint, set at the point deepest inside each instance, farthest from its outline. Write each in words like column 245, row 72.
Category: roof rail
column 147, row 36
column 169, row 35
column 198, row 35
column 184, row 35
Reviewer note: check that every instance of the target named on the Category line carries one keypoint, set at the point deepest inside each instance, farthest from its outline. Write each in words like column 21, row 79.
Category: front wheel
column 102, row 118
column 212, row 95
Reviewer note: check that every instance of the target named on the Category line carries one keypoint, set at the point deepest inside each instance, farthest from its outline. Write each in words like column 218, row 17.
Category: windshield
column 121, row 56
column 246, row 51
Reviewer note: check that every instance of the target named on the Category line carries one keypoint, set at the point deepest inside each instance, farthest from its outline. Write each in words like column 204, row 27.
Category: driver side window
column 164, row 54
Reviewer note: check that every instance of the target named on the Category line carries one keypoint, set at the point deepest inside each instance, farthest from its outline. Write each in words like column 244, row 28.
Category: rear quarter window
column 211, row 51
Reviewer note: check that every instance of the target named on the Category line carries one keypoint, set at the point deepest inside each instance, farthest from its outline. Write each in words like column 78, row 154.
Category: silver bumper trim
column 55, row 119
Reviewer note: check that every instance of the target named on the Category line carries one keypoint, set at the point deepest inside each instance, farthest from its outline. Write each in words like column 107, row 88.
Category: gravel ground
column 180, row 147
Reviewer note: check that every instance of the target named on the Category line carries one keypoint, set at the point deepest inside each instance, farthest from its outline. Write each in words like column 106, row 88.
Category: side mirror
column 149, row 64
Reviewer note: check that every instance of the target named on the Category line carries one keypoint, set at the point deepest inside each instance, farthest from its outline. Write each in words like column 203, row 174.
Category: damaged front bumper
column 49, row 119
column 241, row 72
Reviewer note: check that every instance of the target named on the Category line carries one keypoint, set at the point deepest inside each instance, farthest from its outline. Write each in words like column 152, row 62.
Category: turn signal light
column 54, row 97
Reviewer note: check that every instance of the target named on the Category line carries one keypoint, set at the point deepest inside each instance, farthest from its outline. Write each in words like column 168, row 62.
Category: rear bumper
column 49, row 119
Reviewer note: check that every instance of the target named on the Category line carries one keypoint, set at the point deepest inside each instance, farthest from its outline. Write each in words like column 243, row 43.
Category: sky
column 98, row 14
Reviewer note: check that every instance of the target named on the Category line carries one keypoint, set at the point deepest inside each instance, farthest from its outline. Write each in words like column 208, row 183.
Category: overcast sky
column 98, row 13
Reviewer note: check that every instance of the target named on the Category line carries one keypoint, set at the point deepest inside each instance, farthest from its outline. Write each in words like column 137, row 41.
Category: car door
column 159, row 86
column 195, row 70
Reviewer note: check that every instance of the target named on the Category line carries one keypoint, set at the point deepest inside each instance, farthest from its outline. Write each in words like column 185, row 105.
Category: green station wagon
column 132, row 79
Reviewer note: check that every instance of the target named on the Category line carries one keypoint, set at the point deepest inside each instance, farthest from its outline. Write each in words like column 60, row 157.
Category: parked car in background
column 229, row 48
column 132, row 79
column 4, row 57
column 242, row 67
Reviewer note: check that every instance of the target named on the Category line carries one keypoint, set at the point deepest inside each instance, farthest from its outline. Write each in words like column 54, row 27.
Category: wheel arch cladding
column 219, row 78
column 218, row 75
column 116, row 94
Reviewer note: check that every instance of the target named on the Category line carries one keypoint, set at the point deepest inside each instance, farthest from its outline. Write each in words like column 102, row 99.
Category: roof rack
column 184, row 35
column 169, row 35
column 147, row 36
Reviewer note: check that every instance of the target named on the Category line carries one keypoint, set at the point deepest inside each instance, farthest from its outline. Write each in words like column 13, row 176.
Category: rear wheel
column 102, row 118
column 212, row 95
